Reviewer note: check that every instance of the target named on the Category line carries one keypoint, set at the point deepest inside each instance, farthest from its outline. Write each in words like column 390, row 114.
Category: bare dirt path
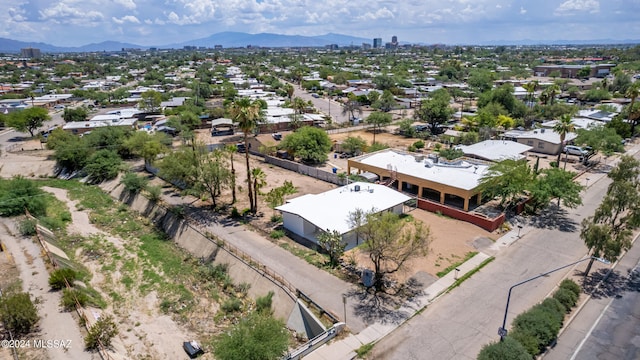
column 54, row 324
column 144, row 333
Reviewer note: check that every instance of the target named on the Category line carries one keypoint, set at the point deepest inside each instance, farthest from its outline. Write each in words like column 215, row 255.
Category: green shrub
column 69, row 298
column 276, row 218
column 263, row 304
column 232, row 305
column 235, row 214
column 571, row 285
column 277, row 234
column 528, row 341
column 18, row 313
column 101, row 332
column 58, row 276
column 27, row 227
column 154, row 192
column 539, row 322
column 243, row 288
column 134, row 183
column 508, row 349
column 566, row 297
column 555, row 307
column 214, row 272
column 419, row 144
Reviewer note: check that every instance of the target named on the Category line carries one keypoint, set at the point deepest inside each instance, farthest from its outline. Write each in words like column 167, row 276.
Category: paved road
column 608, row 326
column 458, row 325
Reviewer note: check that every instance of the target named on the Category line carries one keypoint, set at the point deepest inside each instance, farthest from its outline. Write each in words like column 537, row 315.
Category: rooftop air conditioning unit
column 419, row 158
column 356, row 188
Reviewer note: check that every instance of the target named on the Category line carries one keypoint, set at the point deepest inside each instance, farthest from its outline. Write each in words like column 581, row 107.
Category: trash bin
column 335, row 156
column 335, row 170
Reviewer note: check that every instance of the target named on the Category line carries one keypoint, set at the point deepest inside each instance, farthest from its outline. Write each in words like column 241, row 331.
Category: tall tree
column 390, row 243
column 507, row 179
column 378, row 120
column 290, row 91
column 247, row 114
column 259, row 181
column 386, row 102
column 309, row 143
column 298, row 105
column 609, row 231
column 352, row 107
column 435, row 110
column 232, row 149
column 632, row 93
column 29, row 119
column 563, row 127
column 151, row 100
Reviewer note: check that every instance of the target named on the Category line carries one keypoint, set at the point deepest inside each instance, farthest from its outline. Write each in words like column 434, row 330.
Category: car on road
column 575, row 150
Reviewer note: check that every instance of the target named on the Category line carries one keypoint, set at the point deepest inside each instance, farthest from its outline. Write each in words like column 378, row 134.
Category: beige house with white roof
column 451, row 183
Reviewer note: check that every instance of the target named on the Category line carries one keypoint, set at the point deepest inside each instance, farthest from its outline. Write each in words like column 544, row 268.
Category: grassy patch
column 312, row 257
column 451, row 267
column 468, row 275
column 363, row 350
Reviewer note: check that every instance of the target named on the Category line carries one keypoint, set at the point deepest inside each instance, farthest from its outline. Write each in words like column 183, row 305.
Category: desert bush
column 508, row 349
column 566, row 297
column 571, row 285
column 58, row 276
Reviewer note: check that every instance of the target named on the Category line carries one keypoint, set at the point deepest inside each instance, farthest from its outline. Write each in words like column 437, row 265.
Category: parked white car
column 575, row 150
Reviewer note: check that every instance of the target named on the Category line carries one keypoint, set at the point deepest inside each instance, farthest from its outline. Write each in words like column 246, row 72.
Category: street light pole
column 502, row 331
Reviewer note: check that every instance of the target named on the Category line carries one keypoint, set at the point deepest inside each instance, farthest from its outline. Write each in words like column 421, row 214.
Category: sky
column 162, row 22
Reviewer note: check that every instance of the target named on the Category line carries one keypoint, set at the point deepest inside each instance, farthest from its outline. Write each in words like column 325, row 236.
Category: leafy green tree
column 585, row 72
column 290, row 91
column 276, row 196
column 503, row 95
column 75, row 114
column 102, row 332
column 29, row 119
column 331, row 242
column 633, row 113
column 352, row 107
column 539, row 322
column 386, row 102
column 247, row 115
column 150, row 101
column 103, row 165
column 58, row 136
column 390, row 242
column 507, row 179
column 608, row 232
column 256, row 337
column 148, row 146
column 18, row 313
column 384, row 82
column 405, row 126
column 311, row 144
column 555, row 183
column 435, row 110
column 508, row 349
column 600, row 138
column 378, row 120
column 109, row 138
column 563, row 127
column 19, row 194
column 71, row 153
column 480, row 80
column 353, row 145
column 596, row 95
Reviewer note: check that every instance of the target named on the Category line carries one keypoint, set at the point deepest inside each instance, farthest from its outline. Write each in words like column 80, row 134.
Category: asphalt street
column 459, row 324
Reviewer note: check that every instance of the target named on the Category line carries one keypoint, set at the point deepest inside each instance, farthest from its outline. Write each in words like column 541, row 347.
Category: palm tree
column 258, row 183
column 298, row 105
column 351, row 107
column 531, row 89
column 552, row 91
column 290, row 90
column 247, row 115
column 632, row 93
column 563, row 127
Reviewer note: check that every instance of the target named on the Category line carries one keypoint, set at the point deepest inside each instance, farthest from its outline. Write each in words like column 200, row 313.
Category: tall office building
column 377, row 43
column 30, row 53
column 394, row 39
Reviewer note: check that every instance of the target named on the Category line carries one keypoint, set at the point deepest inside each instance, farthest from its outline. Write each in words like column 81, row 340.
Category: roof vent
column 356, row 188
column 542, row 131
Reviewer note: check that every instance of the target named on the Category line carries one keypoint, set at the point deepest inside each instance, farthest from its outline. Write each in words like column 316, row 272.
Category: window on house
column 540, row 145
column 530, row 142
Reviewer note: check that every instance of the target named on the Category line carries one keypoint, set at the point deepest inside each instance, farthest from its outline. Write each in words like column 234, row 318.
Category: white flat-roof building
column 81, row 127
column 311, row 214
column 545, row 141
column 495, row 150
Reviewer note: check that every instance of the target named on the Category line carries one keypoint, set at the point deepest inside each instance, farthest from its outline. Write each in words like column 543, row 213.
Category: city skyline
column 143, row 22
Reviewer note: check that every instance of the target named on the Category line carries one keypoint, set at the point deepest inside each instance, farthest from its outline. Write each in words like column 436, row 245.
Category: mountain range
column 239, row 39
column 226, row 39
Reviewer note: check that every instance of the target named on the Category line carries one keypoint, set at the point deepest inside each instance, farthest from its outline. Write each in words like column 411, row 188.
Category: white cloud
column 124, row 19
column 571, row 6
column 523, row 10
column 128, row 4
